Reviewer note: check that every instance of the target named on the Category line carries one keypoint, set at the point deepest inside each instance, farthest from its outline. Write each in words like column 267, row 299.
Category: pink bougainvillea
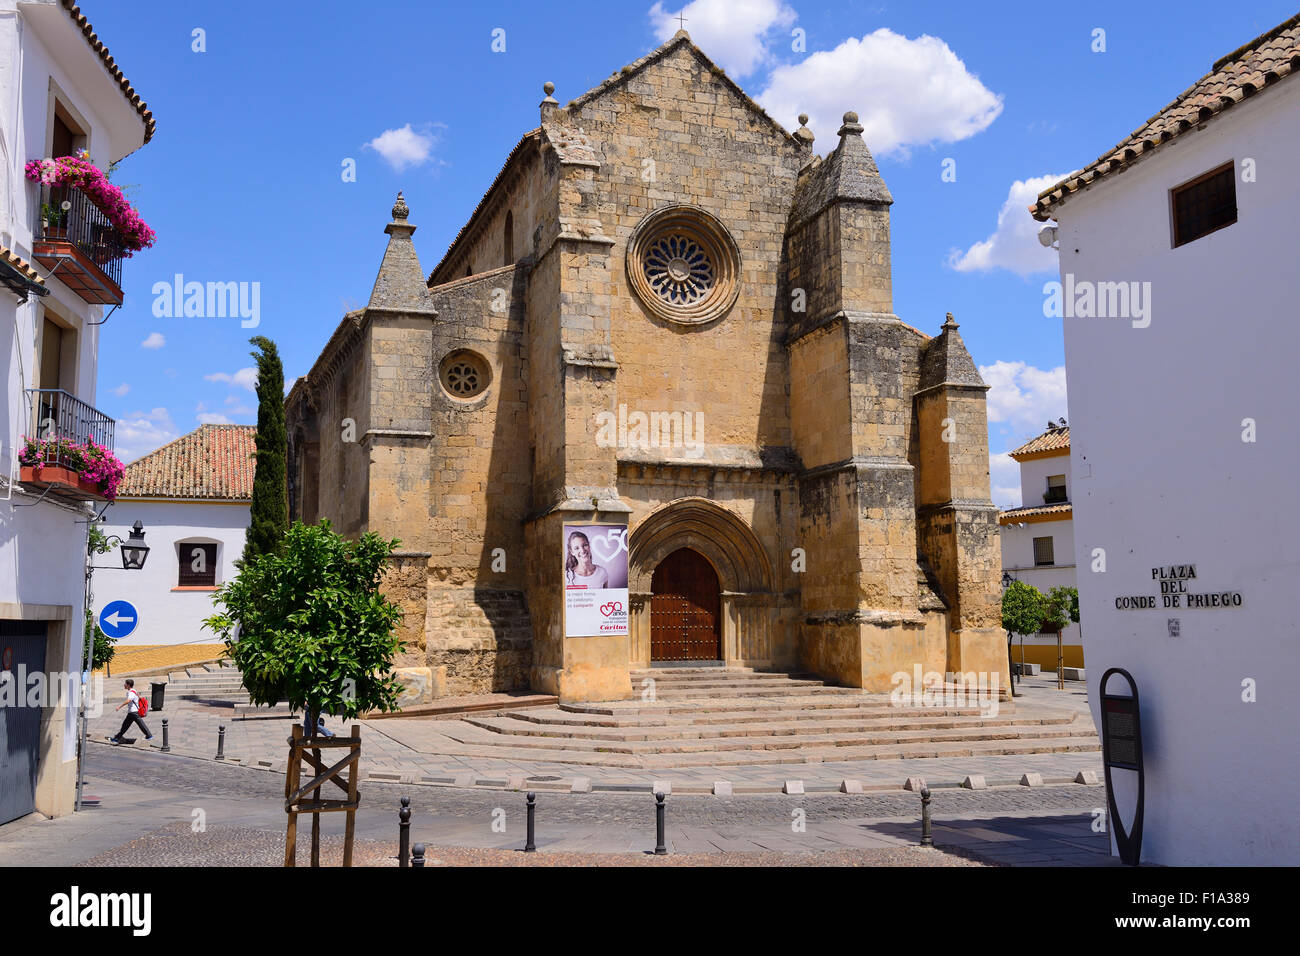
column 91, row 460
column 79, row 172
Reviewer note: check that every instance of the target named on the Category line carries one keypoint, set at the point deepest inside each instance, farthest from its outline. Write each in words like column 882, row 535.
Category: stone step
column 811, row 755
column 687, row 671
column 532, row 726
column 848, row 700
column 737, row 686
column 853, row 716
column 837, row 743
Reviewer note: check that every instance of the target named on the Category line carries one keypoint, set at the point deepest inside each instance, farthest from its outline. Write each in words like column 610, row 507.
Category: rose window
column 682, row 264
column 679, row 270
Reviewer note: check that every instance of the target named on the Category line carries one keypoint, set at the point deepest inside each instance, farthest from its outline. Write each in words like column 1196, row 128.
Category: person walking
column 132, row 705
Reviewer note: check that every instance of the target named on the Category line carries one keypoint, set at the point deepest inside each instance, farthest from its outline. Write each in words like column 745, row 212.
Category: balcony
column 79, row 245
column 1055, row 496
column 67, row 441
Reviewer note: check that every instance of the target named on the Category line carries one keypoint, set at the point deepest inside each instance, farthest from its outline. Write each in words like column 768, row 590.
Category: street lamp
column 1011, row 667
column 134, row 550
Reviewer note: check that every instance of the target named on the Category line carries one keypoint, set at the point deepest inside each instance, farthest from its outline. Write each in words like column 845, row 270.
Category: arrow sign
column 118, row 618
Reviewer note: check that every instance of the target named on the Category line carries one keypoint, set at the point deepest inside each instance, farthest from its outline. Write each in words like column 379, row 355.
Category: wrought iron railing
column 57, row 415
column 1055, row 496
column 83, row 224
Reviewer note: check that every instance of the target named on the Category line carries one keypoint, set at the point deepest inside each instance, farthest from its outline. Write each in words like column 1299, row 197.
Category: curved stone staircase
column 733, row 716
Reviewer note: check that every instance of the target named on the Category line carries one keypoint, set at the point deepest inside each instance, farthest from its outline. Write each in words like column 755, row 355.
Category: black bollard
column 927, row 839
column 221, row 742
column 530, row 846
column 404, row 832
column 661, row 848
column 166, row 747
column 418, row 860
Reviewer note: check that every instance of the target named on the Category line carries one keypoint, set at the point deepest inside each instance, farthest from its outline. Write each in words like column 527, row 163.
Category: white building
column 1185, row 447
column 192, row 496
column 59, row 92
column 1038, row 540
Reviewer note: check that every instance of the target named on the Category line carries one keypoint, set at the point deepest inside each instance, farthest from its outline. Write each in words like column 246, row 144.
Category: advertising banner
column 595, row 580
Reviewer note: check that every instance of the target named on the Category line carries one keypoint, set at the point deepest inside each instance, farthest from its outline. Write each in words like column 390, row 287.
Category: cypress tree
column 269, row 512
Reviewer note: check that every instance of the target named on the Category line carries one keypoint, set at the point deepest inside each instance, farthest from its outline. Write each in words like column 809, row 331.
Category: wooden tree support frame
column 307, row 750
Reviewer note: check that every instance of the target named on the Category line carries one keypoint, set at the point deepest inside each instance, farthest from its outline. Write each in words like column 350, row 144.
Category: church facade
column 669, row 319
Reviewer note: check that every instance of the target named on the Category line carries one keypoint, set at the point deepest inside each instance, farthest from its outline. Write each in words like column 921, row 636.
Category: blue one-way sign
column 118, row 618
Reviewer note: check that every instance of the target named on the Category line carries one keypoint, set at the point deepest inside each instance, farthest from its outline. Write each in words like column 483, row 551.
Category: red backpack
column 142, row 705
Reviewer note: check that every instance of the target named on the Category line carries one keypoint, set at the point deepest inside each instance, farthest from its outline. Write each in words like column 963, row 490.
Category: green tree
column 269, row 511
column 308, row 624
column 1024, row 608
column 1061, row 606
column 102, row 646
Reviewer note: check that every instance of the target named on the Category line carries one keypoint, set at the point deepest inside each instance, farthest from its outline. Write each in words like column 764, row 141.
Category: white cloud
column 139, row 433
column 736, row 34
column 404, row 147
column 121, row 390
column 244, row 378
column 213, row 418
column 1014, row 244
column 1004, row 477
column 154, row 341
column 906, row 92
column 1024, row 397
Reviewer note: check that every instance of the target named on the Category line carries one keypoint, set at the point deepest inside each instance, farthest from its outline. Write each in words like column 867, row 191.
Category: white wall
column 167, row 615
column 1033, row 478
column 1163, row 477
column 42, row 546
column 1018, row 559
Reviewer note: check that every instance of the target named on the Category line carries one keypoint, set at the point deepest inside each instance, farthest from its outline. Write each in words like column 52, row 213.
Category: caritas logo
column 615, row 618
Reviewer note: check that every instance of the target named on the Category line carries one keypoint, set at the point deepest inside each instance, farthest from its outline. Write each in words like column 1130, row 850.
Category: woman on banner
column 579, row 569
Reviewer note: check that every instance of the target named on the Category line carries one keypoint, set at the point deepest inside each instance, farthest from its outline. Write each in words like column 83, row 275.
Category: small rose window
column 464, row 375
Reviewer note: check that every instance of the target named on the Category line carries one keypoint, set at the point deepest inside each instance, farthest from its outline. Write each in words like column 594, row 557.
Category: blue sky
column 243, row 179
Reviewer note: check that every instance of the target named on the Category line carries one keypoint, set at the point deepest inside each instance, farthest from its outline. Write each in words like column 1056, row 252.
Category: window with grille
column 198, row 565
column 1043, row 551
column 1205, row 204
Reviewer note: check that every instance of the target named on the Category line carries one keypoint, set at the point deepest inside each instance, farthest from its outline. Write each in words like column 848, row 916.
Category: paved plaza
column 168, row 810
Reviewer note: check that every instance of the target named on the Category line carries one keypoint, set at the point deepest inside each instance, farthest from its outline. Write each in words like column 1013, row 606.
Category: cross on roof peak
column 681, row 19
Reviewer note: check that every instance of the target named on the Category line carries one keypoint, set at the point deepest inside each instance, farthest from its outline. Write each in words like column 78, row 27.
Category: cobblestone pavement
column 176, row 811
column 415, row 752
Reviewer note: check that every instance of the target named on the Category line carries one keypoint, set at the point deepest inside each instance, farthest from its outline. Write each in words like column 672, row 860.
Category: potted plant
column 52, row 221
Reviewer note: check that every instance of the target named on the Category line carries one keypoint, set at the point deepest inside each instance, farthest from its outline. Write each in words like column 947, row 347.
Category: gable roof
column 576, row 140
column 213, row 461
column 1054, row 441
column 110, row 65
column 1241, row 74
column 680, row 38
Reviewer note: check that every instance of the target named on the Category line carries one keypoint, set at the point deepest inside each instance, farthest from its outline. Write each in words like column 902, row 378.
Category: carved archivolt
column 697, row 523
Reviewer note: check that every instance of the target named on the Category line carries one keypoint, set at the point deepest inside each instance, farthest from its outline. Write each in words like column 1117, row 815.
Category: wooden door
column 685, row 608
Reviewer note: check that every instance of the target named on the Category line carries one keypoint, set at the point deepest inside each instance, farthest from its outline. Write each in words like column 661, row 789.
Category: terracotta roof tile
column 214, row 461
column 1237, row 76
column 22, row 265
column 1055, row 439
column 106, row 58
column 1059, row 512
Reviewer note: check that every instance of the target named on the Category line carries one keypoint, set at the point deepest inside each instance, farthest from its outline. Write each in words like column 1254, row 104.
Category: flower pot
column 61, row 477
